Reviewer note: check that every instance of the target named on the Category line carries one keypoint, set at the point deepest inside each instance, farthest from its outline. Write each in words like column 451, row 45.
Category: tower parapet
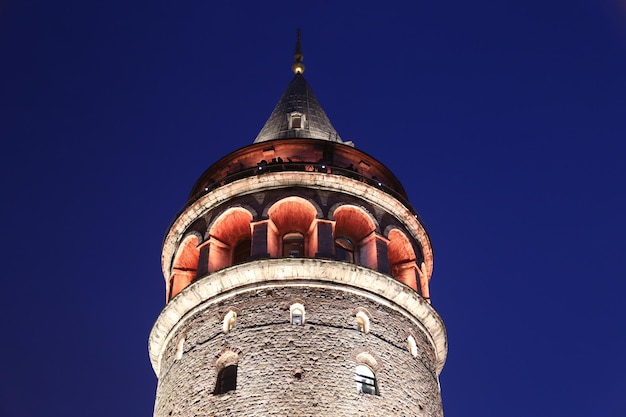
column 297, row 283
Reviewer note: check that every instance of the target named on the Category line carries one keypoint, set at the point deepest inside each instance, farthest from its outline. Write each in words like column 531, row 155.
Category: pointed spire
column 298, row 114
column 298, row 66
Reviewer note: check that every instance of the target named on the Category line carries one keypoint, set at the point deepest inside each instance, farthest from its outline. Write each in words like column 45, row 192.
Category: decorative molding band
column 320, row 273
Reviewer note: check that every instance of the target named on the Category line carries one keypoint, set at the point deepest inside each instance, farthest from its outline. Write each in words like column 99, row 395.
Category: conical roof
column 298, row 114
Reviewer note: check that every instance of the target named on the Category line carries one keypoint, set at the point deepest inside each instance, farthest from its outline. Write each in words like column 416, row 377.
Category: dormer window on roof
column 296, row 120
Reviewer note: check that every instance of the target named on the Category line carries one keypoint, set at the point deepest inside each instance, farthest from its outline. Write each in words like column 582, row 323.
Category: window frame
column 226, row 379
column 297, row 310
column 289, row 238
column 365, row 384
column 297, row 116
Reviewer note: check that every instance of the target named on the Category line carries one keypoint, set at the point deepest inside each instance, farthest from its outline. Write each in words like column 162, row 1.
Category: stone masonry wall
column 323, row 351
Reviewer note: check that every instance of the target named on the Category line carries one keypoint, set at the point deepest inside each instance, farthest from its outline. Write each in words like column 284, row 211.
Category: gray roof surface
column 298, row 97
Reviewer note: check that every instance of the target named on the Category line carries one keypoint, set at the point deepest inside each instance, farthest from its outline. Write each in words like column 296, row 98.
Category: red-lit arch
column 185, row 266
column 402, row 258
column 356, row 224
column 292, row 215
column 226, row 234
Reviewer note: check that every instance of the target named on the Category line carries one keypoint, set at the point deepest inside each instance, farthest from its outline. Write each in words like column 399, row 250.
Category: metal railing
column 264, row 168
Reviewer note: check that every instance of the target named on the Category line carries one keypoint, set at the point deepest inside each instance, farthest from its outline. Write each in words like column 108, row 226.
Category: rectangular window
column 296, row 318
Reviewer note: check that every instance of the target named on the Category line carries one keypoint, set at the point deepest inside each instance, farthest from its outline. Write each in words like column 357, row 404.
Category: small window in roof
column 296, row 120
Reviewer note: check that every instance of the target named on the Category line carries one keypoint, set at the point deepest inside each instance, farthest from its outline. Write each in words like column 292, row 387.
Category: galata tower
column 297, row 283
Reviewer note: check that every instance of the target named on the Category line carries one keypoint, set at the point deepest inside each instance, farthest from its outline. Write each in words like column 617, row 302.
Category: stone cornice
column 296, row 272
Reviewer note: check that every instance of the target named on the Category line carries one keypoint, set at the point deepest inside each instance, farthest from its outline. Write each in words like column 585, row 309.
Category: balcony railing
column 264, row 168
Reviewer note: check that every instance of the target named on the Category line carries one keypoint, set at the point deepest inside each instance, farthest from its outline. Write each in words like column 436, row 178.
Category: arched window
column 412, row 345
column 290, row 227
column 230, row 238
column 185, row 266
column 229, row 321
column 293, row 245
column 180, row 348
column 297, row 313
column 296, row 316
column 226, row 372
column 344, row 249
column 226, row 379
column 355, row 236
column 363, row 322
column 402, row 258
column 242, row 251
column 365, row 380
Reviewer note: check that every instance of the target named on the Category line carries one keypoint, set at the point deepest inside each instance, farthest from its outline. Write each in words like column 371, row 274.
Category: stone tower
column 297, row 283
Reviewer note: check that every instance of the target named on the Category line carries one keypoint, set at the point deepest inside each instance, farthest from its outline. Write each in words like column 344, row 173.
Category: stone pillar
column 382, row 256
column 325, row 241
column 220, row 254
column 407, row 273
column 203, row 259
column 424, row 282
column 259, row 240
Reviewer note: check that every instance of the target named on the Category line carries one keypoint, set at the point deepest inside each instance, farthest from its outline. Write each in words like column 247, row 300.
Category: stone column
column 407, row 273
column 382, row 256
column 259, row 240
column 203, row 259
column 325, row 241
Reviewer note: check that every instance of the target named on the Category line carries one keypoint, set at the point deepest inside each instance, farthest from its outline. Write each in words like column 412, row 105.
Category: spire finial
column 298, row 66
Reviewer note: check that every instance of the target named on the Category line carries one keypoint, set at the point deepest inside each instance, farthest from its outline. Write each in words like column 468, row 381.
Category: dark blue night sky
column 505, row 121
